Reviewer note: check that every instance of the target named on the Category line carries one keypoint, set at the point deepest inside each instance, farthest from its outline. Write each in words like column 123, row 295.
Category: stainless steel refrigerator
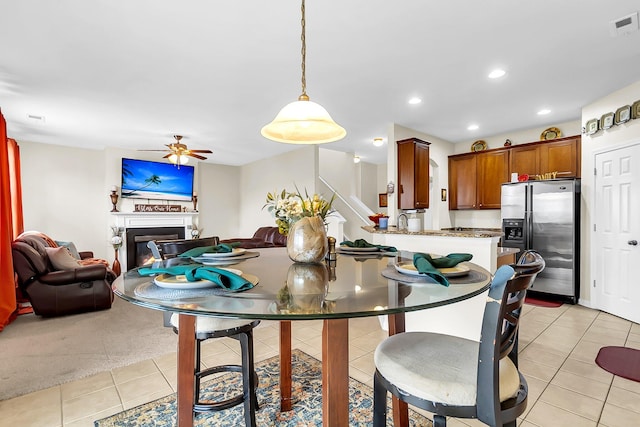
column 545, row 216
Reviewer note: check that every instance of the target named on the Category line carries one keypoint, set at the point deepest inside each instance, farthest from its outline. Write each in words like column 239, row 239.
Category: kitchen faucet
column 406, row 222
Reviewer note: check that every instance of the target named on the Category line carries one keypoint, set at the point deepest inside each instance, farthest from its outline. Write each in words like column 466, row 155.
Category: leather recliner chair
column 56, row 293
column 264, row 237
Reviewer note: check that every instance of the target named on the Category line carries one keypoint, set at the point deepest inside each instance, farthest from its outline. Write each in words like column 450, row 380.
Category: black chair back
column 499, row 338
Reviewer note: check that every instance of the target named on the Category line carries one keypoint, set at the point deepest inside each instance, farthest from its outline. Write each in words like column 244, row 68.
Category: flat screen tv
column 143, row 179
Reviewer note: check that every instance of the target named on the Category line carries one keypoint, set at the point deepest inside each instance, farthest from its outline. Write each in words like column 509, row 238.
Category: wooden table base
column 186, row 369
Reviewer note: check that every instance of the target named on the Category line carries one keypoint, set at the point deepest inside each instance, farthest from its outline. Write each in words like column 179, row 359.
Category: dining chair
column 456, row 377
column 213, row 327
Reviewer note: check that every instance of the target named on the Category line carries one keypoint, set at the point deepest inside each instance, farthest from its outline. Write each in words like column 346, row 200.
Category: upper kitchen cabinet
column 462, row 181
column 493, row 171
column 562, row 156
column 413, row 174
column 475, row 179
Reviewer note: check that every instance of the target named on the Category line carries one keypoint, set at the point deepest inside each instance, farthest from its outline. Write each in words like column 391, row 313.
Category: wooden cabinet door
column 421, row 177
column 462, row 182
column 413, row 174
column 493, row 171
column 524, row 160
column 561, row 156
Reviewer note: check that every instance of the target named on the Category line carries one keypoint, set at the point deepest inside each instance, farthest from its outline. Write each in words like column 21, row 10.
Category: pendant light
column 303, row 121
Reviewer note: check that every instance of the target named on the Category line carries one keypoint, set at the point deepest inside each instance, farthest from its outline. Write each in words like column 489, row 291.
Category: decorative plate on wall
column 606, row 121
column 623, row 114
column 479, row 145
column 551, row 133
column 635, row 110
column 592, row 126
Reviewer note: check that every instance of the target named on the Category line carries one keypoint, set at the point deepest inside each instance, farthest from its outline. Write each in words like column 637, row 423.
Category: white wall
column 610, row 138
column 439, row 152
column 64, row 194
column 285, row 171
column 218, row 200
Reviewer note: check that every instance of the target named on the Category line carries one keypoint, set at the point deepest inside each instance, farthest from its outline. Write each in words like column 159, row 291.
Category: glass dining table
column 358, row 284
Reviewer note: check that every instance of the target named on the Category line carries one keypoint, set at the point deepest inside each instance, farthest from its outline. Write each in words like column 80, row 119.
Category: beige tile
column 569, row 381
column 624, row 399
column 167, row 362
column 572, row 401
column 615, row 416
column 136, row 370
column 88, row 421
column 19, row 411
column 86, row 385
column 605, row 336
column 543, row 357
column 586, row 351
column 626, row 384
column 152, row 384
column 587, row 370
column 536, row 370
column 545, row 415
column 91, row 403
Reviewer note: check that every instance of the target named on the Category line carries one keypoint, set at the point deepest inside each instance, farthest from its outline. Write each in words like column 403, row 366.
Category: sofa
column 55, row 282
column 264, row 237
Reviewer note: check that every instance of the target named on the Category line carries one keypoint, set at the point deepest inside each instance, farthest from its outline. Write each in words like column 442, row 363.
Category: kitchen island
column 481, row 243
column 464, row 318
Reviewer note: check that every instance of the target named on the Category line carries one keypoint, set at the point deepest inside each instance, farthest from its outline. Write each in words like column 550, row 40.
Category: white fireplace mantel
column 127, row 220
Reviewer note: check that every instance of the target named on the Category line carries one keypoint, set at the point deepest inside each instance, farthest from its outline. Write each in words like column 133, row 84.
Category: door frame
column 593, row 295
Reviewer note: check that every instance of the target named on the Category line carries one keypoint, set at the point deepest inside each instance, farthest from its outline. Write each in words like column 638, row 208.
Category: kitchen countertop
column 507, row 251
column 452, row 232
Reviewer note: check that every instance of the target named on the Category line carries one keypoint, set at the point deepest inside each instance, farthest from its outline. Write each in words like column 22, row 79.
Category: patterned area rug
column 307, row 408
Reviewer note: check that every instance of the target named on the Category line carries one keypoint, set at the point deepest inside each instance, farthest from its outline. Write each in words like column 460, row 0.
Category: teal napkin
column 223, row 278
column 429, row 266
column 361, row 243
column 218, row 249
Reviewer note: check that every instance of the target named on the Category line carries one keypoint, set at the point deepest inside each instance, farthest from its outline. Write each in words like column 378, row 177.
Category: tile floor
column 557, row 351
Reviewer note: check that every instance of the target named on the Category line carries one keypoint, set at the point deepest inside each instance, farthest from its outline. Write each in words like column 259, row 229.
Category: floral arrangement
column 289, row 207
column 116, row 237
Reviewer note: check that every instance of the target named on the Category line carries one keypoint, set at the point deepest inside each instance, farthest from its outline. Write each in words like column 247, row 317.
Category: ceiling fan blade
column 201, row 151
column 197, row 156
column 167, row 156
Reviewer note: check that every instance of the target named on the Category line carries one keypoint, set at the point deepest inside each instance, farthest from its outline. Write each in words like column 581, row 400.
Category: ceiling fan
column 179, row 153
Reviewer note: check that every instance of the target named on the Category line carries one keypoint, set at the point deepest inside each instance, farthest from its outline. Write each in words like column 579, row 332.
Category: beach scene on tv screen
column 143, row 179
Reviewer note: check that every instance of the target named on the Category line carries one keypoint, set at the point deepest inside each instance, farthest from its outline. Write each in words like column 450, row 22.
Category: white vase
column 307, row 240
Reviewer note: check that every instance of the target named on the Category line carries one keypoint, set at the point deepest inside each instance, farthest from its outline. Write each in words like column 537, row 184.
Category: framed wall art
column 382, row 200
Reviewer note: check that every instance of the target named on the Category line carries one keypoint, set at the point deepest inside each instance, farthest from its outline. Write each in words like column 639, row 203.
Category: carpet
column 541, row 303
column 39, row 352
column 307, row 406
column 621, row 361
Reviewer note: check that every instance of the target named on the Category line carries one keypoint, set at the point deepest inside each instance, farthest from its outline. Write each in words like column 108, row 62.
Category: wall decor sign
column 157, row 208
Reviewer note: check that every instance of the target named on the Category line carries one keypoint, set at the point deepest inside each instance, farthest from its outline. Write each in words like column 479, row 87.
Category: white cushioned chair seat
column 439, row 368
column 211, row 324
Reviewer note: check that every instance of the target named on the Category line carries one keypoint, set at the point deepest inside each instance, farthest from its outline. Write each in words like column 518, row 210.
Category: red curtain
column 11, row 222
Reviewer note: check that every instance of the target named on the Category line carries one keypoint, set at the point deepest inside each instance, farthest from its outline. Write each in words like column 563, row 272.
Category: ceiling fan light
column 303, row 122
column 178, row 160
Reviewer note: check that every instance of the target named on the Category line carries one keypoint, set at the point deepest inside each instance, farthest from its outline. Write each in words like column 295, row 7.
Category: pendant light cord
column 304, row 95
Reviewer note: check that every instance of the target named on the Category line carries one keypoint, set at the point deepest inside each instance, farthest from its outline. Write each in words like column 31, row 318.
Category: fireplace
column 138, row 253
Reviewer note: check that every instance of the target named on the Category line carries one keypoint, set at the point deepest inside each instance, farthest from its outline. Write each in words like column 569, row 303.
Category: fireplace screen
column 138, row 253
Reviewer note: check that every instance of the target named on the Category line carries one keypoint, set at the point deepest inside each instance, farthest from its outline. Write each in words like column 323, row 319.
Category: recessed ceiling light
column 497, row 73
column 356, row 159
column 415, row 100
column 543, row 112
column 378, row 142
column 472, row 127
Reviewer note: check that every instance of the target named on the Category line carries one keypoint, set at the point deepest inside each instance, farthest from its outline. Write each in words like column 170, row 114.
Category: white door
column 617, row 219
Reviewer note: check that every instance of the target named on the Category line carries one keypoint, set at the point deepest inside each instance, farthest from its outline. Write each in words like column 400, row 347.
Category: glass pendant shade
column 303, row 122
column 178, row 160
